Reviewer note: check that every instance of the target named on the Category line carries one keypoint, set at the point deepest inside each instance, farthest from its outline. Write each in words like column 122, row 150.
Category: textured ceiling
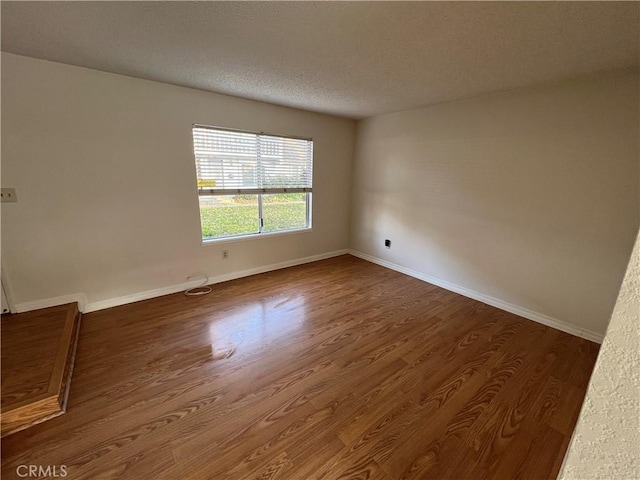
column 353, row 59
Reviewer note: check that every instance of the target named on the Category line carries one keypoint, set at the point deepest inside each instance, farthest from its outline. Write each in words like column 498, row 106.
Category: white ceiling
column 353, row 59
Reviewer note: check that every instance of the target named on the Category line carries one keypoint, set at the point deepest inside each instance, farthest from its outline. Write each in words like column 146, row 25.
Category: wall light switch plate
column 8, row 195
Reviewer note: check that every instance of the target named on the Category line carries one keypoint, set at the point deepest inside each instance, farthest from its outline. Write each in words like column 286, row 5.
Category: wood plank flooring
column 338, row 369
column 38, row 351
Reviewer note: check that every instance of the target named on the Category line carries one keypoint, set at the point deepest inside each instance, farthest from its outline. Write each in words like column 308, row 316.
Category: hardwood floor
column 38, row 351
column 339, row 369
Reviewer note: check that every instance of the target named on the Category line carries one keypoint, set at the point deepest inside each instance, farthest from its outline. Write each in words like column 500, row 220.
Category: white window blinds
column 230, row 162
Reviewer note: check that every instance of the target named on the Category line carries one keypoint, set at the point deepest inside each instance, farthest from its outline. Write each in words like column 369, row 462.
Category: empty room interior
column 320, row 240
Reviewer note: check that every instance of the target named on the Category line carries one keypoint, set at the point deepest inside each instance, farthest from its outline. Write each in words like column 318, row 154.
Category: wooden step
column 38, row 352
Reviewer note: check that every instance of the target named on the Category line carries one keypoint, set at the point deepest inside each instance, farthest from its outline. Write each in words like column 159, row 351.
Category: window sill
column 254, row 236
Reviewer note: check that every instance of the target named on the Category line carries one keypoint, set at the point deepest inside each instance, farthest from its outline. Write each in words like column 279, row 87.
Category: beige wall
column 105, row 178
column 529, row 196
column 606, row 440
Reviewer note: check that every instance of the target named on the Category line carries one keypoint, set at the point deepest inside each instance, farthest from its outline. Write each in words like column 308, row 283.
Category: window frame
column 262, row 191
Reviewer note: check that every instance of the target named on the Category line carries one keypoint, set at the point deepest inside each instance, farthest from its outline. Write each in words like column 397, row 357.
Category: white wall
column 104, row 171
column 529, row 196
column 606, row 440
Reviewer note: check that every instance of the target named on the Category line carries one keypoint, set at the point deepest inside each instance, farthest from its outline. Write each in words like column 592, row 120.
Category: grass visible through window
column 223, row 216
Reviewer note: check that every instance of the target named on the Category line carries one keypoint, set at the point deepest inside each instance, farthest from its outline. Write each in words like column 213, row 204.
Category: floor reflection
column 270, row 321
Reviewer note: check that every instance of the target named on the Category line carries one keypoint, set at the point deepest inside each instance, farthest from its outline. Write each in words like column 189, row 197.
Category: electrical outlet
column 387, row 243
column 225, row 254
column 8, row 195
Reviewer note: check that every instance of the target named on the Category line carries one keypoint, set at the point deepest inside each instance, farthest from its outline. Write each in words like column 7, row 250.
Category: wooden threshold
column 52, row 402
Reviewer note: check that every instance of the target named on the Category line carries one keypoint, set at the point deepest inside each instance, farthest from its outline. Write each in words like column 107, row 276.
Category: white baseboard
column 81, row 298
column 494, row 302
column 86, row 306
column 136, row 297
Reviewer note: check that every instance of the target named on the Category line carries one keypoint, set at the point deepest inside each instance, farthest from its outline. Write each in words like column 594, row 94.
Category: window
column 252, row 183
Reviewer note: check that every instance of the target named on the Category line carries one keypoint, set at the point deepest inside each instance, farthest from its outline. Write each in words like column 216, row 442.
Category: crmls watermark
column 39, row 471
